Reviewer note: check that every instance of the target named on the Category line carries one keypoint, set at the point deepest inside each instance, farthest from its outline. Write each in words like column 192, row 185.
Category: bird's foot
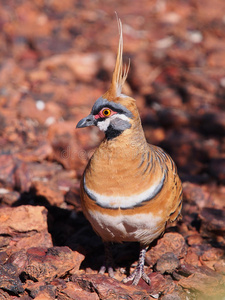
column 109, row 268
column 108, row 265
column 139, row 273
column 136, row 275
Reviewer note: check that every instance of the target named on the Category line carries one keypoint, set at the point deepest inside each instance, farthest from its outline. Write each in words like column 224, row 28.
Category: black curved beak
column 85, row 122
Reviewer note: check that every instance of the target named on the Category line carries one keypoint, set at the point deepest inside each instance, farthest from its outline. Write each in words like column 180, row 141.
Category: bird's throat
column 112, row 133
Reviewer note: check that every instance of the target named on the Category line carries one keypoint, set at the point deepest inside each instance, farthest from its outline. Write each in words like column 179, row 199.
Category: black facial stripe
column 100, row 119
column 102, row 103
column 111, row 132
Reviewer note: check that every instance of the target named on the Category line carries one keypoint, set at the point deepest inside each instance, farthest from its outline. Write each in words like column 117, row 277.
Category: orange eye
column 106, row 112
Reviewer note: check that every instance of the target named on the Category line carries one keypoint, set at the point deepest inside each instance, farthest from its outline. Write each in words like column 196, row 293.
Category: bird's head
column 114, row 112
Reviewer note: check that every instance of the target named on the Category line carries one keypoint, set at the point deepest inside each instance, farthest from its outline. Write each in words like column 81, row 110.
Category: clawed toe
column 136, row 276
column 109, row 268
column 108, row 265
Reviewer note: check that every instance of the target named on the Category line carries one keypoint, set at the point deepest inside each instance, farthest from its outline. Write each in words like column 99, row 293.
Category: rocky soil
column 56, row 59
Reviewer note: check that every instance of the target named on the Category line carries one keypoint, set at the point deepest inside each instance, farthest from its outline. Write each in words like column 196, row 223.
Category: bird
column 129, row 189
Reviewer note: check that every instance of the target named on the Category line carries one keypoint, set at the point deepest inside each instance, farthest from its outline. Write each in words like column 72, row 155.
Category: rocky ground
column 56, row 59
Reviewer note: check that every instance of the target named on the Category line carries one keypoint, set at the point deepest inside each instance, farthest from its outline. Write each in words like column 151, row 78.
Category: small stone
column 170, row 242
column 40, row 105
column 167, row 263
column 212, row 254
column 159, row 284
column 173, row 117
column 217, row 168
column 4, row 295
column 194, row 239
column 220, row 266
column 195, row 194
column 41, row 290
column 192, row 256
column 9, row 280
column 173, row 296
column 9, row 198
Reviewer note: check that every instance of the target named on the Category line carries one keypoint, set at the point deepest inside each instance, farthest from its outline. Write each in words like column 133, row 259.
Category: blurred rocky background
column 56, row 59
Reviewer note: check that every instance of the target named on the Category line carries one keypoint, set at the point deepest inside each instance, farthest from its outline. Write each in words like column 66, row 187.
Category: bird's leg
column 108, row 265
column 139, row 273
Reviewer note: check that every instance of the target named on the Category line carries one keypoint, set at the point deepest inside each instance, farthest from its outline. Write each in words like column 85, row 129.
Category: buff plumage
column 130, row 189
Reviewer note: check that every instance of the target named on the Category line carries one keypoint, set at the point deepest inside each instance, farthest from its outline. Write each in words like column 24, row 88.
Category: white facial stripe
column 103, row 125
column 125, row 202
column 135, row 227
column 119, row 116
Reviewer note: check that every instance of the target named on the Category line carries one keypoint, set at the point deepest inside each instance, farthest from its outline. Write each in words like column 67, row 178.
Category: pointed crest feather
column 119, row 76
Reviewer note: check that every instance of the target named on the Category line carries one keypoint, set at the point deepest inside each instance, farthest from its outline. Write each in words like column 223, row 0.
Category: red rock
column 53, row 70
column 192, row 256
column 4, row 295
column 41, row 290
column 38, row 76
column 109, row 288
column 159, row 285
column 22, row 176
column 173, row 117
column 212, row 254
column 46, row 264
column 4, row 241
column 45, row 170
column 155, row 135
column 6, row 170
column 34, row 218
column 83, row 65
column 217, row 59
column 18, row 260
column 73, row 197
column 77, row 260
column 170, row 242
column 197, row 194
column 168, row 98
column 8, row 197
column 204, row 285
column 194, row 239
column 217, row 195
column 213, row 221
column 74, row 291
column 50, row 191
column 220, row 266
column 9, row 280
column 172, row 296
column 3, row 257
column 29, row 109
column 44, row 295
column 26, row 226
column 186, row 269
column 66, row 147
column 38, row 153
column 213, row 122
column 217, row 169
